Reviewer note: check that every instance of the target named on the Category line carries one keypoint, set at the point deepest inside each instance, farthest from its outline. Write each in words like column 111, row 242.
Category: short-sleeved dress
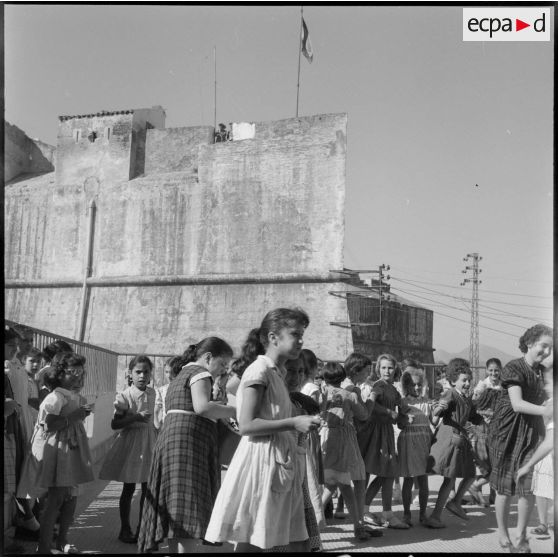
column 261, row 501
column 413, row 443
column 185, row 473
column 513, row 437
column 543, row 473
column 451, row 452
column 376, row 439
column 129, row 457
column 60, row 458
column 341, row 456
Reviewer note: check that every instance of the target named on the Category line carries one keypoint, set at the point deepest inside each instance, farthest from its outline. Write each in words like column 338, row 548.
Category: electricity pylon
column 474, row 341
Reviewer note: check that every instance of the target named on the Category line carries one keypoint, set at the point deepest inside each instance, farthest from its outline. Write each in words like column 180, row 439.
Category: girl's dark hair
column 175, row 365
column 532, row 335
column 33, row 352
column 140, row 359
column 250, row 350
column 495, row 361
column 310, row 361
column 334, row 373
column 407, row 386
column 457, row 366
column 58, row 346
column 280, row 318
column 10, row 333
column 60, row 363
column 355, row 363
column 214, row 345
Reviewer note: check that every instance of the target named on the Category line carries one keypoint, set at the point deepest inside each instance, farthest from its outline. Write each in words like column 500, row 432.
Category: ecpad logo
column 506, row 24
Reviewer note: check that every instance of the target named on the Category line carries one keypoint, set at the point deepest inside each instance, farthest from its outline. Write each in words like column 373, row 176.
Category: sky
column 449, row 146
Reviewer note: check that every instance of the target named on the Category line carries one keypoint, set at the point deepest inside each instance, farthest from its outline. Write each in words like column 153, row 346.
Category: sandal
column 70, row 550
column 433, row 523
column 522, row 547
column 126, row 536
column 374, row 519
column 541, row 529
column 456, row 509
column 507, row 545
column 396, row 523
column 373, row 532
column 361, row 534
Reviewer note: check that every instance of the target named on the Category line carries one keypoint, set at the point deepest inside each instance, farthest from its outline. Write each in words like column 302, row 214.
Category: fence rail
column 101, row 364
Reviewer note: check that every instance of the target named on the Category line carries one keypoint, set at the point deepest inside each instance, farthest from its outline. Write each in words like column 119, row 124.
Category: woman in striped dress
column 515, row 431
column 185, row 474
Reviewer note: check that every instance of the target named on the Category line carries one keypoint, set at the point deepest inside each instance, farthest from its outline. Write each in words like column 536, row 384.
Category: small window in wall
column 77, row 135
column 108, row 132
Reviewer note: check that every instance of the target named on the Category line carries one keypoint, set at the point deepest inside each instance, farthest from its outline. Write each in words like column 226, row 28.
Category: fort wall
column 267, row 207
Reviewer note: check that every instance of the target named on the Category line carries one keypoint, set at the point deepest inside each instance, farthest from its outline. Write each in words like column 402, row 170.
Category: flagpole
column 215, row 88
column 299, row 52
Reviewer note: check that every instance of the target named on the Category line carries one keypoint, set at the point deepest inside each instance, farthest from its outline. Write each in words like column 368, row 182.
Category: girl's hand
column 548, row 410
column 521, row 472
column 394, row 415
column 443, row 405
column 87, row 408
column 305, row 423
column 143, row 416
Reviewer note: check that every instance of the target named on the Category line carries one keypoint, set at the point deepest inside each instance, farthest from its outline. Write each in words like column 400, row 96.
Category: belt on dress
column 184, row 412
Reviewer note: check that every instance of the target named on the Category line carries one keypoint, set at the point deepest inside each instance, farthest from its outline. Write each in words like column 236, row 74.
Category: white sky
column 430, row 116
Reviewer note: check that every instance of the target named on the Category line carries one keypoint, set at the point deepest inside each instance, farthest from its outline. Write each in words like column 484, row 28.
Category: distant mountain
column 485, row 352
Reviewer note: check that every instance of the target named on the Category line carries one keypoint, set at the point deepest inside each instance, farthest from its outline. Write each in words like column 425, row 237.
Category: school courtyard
column 97, row 524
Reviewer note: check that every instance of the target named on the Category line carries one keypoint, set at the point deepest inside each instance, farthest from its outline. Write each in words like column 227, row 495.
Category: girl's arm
column 519, row 405
column 546, row 446
column 158, row 411
column 59, row 422
column 380, row 409
column 251, row 425
column 203, row 406
column 122, row 420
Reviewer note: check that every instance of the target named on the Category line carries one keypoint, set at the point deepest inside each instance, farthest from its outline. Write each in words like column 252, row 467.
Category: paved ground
column 97, row 525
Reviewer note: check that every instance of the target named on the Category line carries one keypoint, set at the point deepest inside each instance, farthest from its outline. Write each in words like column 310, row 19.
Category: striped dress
column 185, row 474
column 413, row 443
column 513, row 437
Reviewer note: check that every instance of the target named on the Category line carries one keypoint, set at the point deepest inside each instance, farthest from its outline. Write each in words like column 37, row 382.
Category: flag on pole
column 306, row 45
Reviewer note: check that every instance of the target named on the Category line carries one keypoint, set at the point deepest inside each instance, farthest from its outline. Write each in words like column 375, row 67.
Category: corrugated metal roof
column 101, row 113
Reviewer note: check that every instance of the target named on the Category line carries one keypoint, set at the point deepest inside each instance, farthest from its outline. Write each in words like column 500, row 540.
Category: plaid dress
column 184, row 478
column 513, row 437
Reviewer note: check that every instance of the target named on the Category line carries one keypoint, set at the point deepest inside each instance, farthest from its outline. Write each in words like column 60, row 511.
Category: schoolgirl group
column 303, row 432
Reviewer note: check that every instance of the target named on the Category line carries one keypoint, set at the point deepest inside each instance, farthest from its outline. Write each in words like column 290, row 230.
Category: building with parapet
column 146, row 238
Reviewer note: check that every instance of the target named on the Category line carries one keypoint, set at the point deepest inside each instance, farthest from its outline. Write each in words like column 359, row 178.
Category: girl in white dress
column 260, row 504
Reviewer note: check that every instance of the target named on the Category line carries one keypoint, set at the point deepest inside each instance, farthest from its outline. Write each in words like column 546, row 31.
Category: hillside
column 485, row 352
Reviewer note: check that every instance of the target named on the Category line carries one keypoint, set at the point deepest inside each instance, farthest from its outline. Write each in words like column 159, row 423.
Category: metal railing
column 101, row 364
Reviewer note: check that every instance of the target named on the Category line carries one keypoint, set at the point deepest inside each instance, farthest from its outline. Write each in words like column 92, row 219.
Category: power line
column 454, row 287
column 437, row 303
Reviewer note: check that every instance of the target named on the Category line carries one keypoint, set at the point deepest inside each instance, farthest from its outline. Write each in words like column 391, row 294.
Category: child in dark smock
column 451, row 452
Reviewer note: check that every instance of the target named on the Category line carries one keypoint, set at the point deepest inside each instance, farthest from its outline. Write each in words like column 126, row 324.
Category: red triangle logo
column 519, row 25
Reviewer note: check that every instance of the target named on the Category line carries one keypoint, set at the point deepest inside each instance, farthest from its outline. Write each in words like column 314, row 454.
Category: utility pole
column 381, row 278
column 474, row 268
